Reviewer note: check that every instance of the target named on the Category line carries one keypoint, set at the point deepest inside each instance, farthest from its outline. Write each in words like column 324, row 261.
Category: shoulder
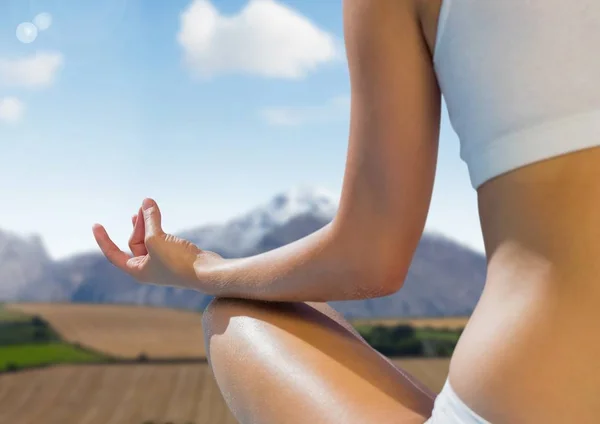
column 428, row 13
column 410, row 16
column 386, row 34
column 389, row 18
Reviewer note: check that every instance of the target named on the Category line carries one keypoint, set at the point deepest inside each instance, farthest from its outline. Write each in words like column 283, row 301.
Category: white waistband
column 450, row 409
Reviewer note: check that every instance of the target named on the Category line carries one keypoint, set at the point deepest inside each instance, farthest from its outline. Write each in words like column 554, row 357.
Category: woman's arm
column 395, row 115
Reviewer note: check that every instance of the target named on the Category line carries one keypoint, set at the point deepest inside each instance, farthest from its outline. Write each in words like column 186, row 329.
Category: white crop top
column 521, row 79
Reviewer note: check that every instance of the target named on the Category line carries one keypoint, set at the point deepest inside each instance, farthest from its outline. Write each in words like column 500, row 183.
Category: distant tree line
column 35, row 330
column 405, row 340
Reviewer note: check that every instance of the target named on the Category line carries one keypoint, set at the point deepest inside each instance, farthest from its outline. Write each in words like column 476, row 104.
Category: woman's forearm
column 315, row 268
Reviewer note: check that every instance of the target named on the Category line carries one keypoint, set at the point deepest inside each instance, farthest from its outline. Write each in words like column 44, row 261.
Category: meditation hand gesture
column 158, row 258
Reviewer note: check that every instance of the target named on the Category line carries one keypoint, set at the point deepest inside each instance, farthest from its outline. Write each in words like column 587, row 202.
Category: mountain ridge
column 445, row 277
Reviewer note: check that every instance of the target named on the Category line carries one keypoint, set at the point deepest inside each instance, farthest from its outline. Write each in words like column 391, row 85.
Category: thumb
column 152, row 219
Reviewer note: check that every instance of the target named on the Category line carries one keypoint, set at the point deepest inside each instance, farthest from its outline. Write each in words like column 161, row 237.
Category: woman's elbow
column 382, row 279
column 392, row 279
column 379, row 265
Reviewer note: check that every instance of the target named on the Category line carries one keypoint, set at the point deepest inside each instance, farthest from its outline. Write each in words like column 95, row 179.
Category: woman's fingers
column 152, row 221
column 115, row 255
column 136, row 241
column 147, row 230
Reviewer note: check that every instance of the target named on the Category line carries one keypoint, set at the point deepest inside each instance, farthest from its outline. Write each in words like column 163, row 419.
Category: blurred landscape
column 82, row 343
column 98, row 364
column 445, row 278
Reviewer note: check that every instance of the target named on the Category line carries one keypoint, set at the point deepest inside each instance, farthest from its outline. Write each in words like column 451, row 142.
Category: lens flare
column 26, row 32
column 42, row 21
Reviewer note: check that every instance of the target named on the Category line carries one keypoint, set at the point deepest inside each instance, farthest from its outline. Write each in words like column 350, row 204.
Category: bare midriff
column 530, row 351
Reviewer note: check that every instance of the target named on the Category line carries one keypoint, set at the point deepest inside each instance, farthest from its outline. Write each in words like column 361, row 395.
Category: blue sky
column 209, row 107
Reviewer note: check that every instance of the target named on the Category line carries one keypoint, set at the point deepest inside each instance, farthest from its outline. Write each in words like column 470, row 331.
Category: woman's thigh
column 302, row 362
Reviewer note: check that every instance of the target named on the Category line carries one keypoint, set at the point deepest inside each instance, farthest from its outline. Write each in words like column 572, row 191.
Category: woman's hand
column 158, row 258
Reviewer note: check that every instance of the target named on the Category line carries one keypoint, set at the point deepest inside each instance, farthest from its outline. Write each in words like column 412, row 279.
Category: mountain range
column 445, row 278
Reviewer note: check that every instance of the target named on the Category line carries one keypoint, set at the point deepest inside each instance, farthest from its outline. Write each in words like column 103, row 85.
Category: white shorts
column 449, row 409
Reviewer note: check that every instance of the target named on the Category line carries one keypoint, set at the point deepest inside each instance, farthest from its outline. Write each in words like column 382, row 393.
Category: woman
column 520, row 82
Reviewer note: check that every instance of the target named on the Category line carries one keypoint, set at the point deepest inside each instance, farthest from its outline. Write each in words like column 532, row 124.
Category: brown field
column 125, row 331
column 449, row 322
column 133, row 394
column 138, row 393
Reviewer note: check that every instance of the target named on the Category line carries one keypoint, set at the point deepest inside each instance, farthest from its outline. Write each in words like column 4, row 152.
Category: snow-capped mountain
column 445, row 278
column 24, row 263
column 242, row 235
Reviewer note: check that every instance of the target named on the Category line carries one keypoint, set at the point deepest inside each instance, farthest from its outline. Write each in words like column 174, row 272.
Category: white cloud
column 11, row 109
column 337, row 108
column 35, row 71
column 265, row 38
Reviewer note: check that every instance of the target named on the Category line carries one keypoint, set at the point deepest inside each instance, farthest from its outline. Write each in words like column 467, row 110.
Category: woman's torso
column 529, row 352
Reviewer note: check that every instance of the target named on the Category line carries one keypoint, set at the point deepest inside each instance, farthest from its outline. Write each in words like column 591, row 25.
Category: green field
column 433, row 334
column 41, row 354
column 17, row 328
column 24, row 332
column 8, row 315
column 27, row 341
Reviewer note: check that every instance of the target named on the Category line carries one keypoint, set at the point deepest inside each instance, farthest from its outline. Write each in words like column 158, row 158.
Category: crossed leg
column 295, row 363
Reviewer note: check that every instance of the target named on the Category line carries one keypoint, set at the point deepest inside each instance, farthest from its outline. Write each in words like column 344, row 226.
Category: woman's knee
column 226, row 314
column 217, row 310
column 233, row 327
column 220, row 311
column 241, row 322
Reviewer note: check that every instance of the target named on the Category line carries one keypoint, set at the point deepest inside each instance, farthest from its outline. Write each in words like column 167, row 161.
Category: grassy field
column 423, row 333
column 24, row 332
column 17, row 327
column 135, row 394
column 124, row 331
column 12, row 315
column 28, row 341
column 40, row 354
